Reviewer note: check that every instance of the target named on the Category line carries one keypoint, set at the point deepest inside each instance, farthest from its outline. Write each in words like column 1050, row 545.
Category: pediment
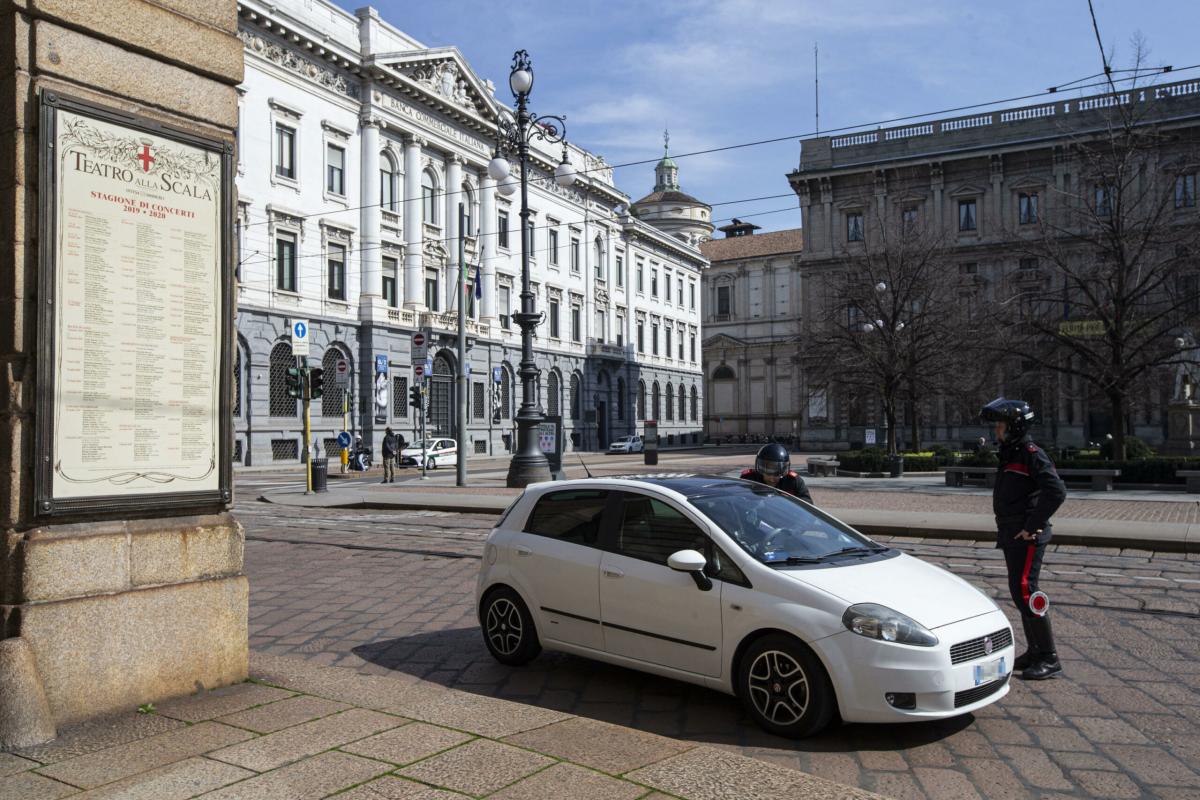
column 444, row 73
column 967, row 190
column 722, row 340
column 1028, row 182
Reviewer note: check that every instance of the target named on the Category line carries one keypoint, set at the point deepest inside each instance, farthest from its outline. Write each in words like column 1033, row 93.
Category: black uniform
column 791, row 483
column 1028, row 491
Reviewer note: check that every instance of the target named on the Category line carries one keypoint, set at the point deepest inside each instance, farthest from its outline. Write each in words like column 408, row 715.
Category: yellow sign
column 1081, row 328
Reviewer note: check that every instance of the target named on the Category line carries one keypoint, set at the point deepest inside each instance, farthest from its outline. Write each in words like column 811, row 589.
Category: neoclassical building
column 357, row 147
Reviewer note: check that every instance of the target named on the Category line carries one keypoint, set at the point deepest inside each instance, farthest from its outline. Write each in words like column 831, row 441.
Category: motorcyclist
column 1028, row 491
column 773, row 467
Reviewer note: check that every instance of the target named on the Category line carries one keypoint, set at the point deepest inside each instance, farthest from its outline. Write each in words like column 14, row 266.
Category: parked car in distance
column 437, row 452
column 627, row 444
column 735, row 586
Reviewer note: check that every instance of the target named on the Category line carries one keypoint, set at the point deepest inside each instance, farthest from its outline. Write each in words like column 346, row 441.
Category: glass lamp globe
column 498, row 168
column 867, row 327
column 520, row 81
column 564, row 175
column 507, row 186
column 881, row 287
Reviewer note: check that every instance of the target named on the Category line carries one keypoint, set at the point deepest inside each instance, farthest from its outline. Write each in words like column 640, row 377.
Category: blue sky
column 720, row 72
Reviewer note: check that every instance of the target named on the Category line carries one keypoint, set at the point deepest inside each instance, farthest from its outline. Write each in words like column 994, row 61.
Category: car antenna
column 585, row 466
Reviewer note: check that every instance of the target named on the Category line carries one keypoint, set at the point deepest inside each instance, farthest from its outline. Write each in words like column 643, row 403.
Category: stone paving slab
column 404, row 745
column 283, row 714
column 11, row 764
column 310, row 779
column 100, row 734
column 568, row 780
column 463, row 768
column 178, row 781
column 306, row 740
column 219, row 702
column 392, row 787
column 31, row 786
column 600, row 745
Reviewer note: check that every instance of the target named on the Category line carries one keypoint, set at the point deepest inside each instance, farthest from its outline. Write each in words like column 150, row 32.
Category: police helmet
column 773, row 459
column 1015, row 413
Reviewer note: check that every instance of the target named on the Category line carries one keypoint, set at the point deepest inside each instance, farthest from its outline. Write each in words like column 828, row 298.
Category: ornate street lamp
column 529, row 464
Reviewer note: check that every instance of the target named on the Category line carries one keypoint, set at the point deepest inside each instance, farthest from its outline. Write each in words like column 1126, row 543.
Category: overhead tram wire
column 791, row 137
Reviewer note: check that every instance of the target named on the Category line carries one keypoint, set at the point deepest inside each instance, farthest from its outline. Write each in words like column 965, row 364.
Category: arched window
column 621, row 399
column 467, row 198
column 683, row 404
column 598, row 257
column 428, row 199
column 506, row 382
column 724, row 373
column 695, row 404
column 670, row 403
column 641, row 400
column 282, row 404
column 575, row 408
column 331, row 398
column 553, row 394
column 237, row 380
column 655, row 406
column 387, row 182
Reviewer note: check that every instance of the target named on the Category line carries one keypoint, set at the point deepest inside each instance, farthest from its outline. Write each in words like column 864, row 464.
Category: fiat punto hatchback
column 735, row 586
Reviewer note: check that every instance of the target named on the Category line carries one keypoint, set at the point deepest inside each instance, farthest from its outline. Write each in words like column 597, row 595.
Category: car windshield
column 778, row 529
column 421, row 444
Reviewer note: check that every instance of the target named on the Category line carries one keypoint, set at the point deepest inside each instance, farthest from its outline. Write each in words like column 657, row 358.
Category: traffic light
column 295, row 382
column 414, row 396
column 316, row 382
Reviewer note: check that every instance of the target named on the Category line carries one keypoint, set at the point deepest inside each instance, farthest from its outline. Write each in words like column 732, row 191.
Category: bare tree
column 1109, row 283
column 894, row 326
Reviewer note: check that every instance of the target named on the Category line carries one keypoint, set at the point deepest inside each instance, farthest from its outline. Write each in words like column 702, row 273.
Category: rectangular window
column 502, row 229
column 620, row 270
column 679, row 293
column 969, row 268
column 428, row 202
column 653, row 282
column 967, row 220
column 477, row 400
column 1028, row 264
column 641, row 336
column 554, row 331
column 335, row 169
column 531, row 238
column 681, row 345
column 1185, row 191
column 641, row 274
column 667, row 349
column 400, row 397
column 571, row 516
column 693, row 347
column 337, row 272
column 285, row 151
column 620, row 330
column 724, row 301
column 654, row 338
column 505, row 309
column 574, row 255
column 908, row 218
column 1027, row 208
column 1103, row 201
column 387, row 189
column 552, row 246
column 576, row 333
column 652, row 531
column 666, row 287
column 692, row 296
column 598, row 327
column 854, row 226
column 431, row 291
column 391, row 269
column 285, row 262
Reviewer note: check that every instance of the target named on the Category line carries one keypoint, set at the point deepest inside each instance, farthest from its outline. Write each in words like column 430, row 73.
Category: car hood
column 928, row 594
column 415, row 452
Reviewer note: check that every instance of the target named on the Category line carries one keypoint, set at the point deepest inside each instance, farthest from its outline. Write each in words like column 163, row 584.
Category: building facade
column 359, row 149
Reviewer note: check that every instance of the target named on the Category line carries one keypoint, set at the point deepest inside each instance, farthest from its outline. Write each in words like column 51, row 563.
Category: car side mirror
column 693, row 563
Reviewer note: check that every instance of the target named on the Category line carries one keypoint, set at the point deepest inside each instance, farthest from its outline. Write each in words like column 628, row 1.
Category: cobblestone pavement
column 391, row 592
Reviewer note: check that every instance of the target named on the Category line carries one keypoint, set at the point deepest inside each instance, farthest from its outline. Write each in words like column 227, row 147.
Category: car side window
column 652, row 530
column 572, row 516
column 722, row 568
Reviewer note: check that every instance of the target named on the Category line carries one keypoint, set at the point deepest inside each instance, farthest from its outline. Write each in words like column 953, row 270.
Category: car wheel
column 784, row 688
column 508, row 629
column 432, row 463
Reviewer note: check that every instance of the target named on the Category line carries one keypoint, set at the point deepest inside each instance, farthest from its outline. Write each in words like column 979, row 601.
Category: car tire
column 784, row 688
column 431, row 463
column 508, row 629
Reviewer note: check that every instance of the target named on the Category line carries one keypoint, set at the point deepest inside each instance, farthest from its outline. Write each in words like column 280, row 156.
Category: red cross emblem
column 145, row 158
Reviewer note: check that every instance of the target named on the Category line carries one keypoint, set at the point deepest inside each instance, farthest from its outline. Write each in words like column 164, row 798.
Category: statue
column 1187, row 370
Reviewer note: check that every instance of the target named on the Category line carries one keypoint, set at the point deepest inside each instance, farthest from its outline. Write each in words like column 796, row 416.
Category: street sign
column 420, row 346
column 381, row 363
column 497, row 374
column 343, row 439
column 467, row 368
column 428, row 365
column 870, row 436
column 418, row 340
column 419, row 370
column 341, row 372
column 299, row 337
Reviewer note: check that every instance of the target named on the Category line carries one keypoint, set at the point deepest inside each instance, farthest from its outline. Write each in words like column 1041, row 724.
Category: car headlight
column 879, row 622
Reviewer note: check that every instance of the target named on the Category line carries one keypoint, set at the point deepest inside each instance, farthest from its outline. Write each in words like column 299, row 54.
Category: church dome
column 669, row 208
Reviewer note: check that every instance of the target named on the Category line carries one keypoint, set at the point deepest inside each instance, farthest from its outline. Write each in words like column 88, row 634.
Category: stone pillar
column 487, row 240
column 369, row 214
column 115, row 610
column 454, row 196
column 414, row 282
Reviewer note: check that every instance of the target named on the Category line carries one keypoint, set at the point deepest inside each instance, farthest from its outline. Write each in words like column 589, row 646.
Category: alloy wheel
column 504, row 627
column 778, row 687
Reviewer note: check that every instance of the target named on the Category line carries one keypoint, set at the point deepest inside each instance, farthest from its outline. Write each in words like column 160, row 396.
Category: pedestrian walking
column 773, row 466
column 1028, row 491
column 390, row 452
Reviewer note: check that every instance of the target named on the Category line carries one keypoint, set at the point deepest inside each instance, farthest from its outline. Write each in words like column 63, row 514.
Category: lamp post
column 529, row 464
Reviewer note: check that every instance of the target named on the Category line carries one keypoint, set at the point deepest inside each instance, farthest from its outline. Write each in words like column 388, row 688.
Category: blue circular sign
column 301, row 330
column 344, row 439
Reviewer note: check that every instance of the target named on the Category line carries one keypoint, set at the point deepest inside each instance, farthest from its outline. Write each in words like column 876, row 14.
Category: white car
column 438, row 453
column 627, row 444
column 732, row 585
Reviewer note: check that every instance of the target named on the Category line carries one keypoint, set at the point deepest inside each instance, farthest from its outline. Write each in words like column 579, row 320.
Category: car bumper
column 865, row 670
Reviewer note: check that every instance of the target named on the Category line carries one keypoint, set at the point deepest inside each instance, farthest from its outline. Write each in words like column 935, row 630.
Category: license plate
column 986, row 673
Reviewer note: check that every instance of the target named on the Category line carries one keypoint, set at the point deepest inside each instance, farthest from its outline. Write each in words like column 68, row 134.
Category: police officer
column 773, row 467
column 1028, row 491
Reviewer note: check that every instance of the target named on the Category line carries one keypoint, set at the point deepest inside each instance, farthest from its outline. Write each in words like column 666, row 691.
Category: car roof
column 689, row 485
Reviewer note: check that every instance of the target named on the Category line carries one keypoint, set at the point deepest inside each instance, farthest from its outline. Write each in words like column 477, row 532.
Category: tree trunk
column 1116, row 403
column 889, row 414
column 915, row 421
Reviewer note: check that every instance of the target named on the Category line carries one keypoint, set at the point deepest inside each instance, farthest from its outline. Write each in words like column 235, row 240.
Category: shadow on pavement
column 457, row 659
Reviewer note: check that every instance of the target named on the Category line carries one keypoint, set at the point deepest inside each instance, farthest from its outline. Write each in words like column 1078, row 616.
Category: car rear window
column 573, row 516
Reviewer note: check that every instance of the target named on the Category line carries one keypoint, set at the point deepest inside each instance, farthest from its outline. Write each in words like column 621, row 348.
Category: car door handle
column 523, row 551
column 613, row 573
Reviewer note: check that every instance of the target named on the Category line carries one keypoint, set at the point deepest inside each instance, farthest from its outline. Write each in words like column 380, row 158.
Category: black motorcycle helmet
column 1016, row 413
column 773, row 459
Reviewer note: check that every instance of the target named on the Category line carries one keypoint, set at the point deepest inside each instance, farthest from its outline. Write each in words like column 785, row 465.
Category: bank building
column 356, row 146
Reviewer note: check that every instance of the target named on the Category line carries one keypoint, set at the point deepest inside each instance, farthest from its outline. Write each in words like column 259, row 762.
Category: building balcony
column 448, row 323
column 600, row 349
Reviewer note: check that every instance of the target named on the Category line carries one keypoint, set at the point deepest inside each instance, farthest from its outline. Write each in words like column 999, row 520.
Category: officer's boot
column 1030, row 656
column 1047, row 664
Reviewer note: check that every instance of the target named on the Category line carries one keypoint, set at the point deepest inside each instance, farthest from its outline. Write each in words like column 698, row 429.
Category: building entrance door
column 602, row 423
column 441, row 399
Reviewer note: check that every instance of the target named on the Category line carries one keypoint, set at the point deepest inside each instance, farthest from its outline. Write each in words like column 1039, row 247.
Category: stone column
column 487, row 240
column 371, row 273
column 102, row 610
column 414, row 282
column 454, row 196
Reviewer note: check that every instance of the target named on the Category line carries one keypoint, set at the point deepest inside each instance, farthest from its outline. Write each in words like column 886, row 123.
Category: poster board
column 135, row 269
